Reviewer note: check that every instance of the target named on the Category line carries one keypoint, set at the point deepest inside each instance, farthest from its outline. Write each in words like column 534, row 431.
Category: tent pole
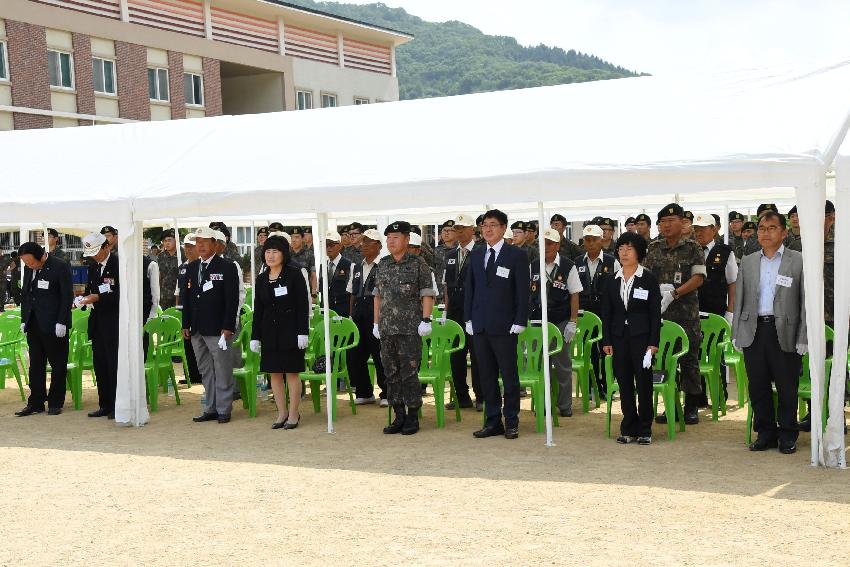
column 728, row 230
column 544, row 304
column 253, row 261
column 24, row 237
column 322, row 261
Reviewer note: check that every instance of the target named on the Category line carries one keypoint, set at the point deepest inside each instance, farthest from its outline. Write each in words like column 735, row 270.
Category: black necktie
column 491, row 265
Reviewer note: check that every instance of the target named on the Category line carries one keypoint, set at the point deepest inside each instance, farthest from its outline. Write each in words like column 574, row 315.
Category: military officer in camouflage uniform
column 308, row 238
column 679, row 265
column 351, row 249
column 5, row 263
column 687, row 225
column 303, row 256
column 569, row 249
column 521, row 240
column 404, row 299
column 426, row 251
column 231, row 252
column 168, row 267
column 794, row 228
column 643, row 224
column 609, row 243
column 828, row 260
column 448, row 241
column 53, row 246
column 736, row 241
column 259, row 255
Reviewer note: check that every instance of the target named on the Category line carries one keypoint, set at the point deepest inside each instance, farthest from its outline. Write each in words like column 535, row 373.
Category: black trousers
column 768, row 364
column 104, row 346
column 633, row 377
column 496, row 356
column 358, row 363
column 44, row 348
column 191, row 362
column 458, row 362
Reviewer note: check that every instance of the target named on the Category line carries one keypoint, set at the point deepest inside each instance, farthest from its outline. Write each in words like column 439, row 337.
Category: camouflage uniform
column 569, row 249
column 232, row 253
column 427, row 254
column 828, row 273
column 5, row 262
column 353, row 254
column 304, row 258
column 533, row 253
column 259, row 259
column 167, row 278
column 737, row 244
column 791, row 239
column 59, row 253
column 441, row 254
column 676, row 265
column 401, row 287
column 751, row 245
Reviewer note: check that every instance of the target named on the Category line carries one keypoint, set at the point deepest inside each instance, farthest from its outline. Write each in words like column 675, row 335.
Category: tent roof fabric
column 598, row 140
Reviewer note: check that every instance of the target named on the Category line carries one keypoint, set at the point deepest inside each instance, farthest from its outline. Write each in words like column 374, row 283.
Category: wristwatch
column 426, row 319
column 675, row 294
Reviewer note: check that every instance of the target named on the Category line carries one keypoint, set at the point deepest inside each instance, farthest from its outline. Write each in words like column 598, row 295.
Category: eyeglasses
column 771, row 229
column 491, row 225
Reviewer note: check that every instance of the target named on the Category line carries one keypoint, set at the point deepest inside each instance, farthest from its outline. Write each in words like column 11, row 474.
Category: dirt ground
column 77, row 490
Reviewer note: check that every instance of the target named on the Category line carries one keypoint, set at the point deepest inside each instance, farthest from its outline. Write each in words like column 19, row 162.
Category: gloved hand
column 647, row 359
column 736, row 347
column 728, row 316
column 802, row 349
column 254, row 346
column 666, row 300
column 375, row 332
column 60, row 330
column 302, row 341
column 152, row 314
column 78, row 301
column 222, row 343
column 424, row 329
column 23, row 327
column 469, row 328
column 569, row 331
column 516, row 329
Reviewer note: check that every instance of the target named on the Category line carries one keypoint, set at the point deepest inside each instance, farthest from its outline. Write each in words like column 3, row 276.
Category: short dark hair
column 34, row 249
column 634, row 240
column 278, row 243
column 771, row 214
column 496, row 214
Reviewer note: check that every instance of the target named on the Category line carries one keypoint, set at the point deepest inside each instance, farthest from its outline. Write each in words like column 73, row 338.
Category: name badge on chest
column 43, row 284
column 104, row 288
column 207, row 286
column 582, row 269
column 279, row 291
column 503, row 272
column 677, row 278
column 451, row 261
column 641, row 293
column 784, row 281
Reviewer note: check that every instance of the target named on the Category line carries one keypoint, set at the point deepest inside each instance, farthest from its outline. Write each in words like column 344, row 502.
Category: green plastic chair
column 445, row 339
column 249, row 295
column 588, row 332
column 316, row 340
column 163, row 332
column 530, row 369
column 735, row 360
column 666, row 360
column 179, row 348
column 80, row 322
column 247, row 375
column 715, row 329
column 344, row 336
column 10, row 340
column 77, row 344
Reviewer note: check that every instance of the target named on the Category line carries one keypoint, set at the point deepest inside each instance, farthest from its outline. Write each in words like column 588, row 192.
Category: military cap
column 766, row 207
column 275, row 227
column 518, row 225
column 558, row 218
column 631, row 220
column 829, row 208
column 355, row 226
column 221, row 227
column 716, row 219
column 736, row 216
column 643, row 217
column 308, row 230
column 398, row 226
column 263, row 230
column 479, row 220
column 671, row 210
column 448, row 224
column 793, row 211
column 749, row 225
column 607, row 221
column 598, row 221
column 293, row 230
column 688, row 215
column 108, row 230
column 168, row 233
column 53, row 232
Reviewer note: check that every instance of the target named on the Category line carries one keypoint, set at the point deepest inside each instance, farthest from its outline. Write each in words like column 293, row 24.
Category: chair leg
column 749, row 423
column 537, row 396
column 670, row 411
column 316, row 395
column 18, row 379
column 608, row 417
column 440, row 401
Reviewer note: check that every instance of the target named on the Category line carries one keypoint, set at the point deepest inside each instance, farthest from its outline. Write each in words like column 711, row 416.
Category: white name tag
column 208, row 286
column 640, row 293
column 677, row 277
column 559, row 285
column 104, row 288
column 278, row 291
column 784, row 281
column 217, row 277
column 503, row 272
column 43, row 284
column 451, row 261
column 535, row 277
column 582, row 269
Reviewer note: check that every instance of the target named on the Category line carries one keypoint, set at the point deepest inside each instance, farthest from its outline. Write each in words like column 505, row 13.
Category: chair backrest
column 715, row 329
column 344, row 335
column 247, row 314
column 529, row 348
column 10, row 331
column 588, row 331
column 174, row 312
column 171, row 330
column 673, row 345
column 805, row 376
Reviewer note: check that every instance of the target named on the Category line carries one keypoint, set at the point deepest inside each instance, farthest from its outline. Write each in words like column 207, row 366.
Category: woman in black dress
column 281, row 327
column 631, row 328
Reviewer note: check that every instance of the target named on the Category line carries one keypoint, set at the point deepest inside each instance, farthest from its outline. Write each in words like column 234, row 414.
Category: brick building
column 83, row 62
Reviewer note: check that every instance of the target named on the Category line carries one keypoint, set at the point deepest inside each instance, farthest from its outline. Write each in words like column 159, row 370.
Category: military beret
column 355, row 226
column 518, row 225
column 293, row 230
column 531, row 225
column 276, row 227
column 716, row 219
column 829, row 208
column 343, row 229
column 108, row 230
column 416, row 229
column 607, row 221
column 558, row 218
column 671, row 210
column 478, row 220
column 735, row 216
column 630, row 220
column 398, row 226
column 308, row 230
column 263, row 230
column 749, row 225
column 793, row 211
column 220, row 226
column 448, row 224
column 688, row 215
column 599, row 221
column 643, row 217
column 766, row 207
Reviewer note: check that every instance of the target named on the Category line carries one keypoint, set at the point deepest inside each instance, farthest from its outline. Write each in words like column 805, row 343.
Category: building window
column 158, row 84
column 193, row 86
column 60, row 69
column 4, row 65
column 361, row 100
column 103, row 74
column 303, row 100
column 328, row 100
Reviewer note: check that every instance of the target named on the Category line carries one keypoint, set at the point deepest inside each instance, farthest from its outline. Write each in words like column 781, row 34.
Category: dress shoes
column 29, row 410
column 292, row 425
column 512, row 432
column 489, row 431
column 763, row 444
column 226, row 419
column 479, row 406
column 464, row 404
column 692, row 417
column 788, row 448
column 805, row 424
column 566, row 413
column 100, row 412
column 54, row 411
column 205, row 417
column 111, row 415
column 279, row 424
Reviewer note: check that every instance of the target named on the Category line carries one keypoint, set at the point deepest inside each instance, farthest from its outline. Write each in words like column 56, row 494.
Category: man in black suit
column 210, row 310
column 102, row 296
column 339, row 298
column 496, row 311
column 45, row 317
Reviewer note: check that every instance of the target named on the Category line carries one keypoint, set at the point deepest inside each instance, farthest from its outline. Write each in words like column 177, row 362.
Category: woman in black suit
column 282, row 326
column 631, row 329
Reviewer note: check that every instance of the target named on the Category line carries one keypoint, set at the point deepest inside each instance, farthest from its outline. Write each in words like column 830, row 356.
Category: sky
column 662, row 37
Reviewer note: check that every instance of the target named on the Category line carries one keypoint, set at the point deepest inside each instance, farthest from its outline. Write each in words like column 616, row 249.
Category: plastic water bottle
column 4, row 361
column 262, row 392
column 171, row 388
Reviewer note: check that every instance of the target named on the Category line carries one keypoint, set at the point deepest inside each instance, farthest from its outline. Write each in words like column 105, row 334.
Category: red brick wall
column 132, row 75
column 212, row 87
column 175, row 84
column 83, row 75
column 27, row 45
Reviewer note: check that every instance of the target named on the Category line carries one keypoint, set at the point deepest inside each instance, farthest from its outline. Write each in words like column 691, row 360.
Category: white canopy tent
column 583, row 145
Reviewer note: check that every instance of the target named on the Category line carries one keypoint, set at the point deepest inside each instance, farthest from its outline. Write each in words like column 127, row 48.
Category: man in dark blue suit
column 496, row 311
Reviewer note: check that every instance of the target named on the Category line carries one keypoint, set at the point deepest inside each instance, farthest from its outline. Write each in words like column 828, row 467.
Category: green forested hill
column 453, row 58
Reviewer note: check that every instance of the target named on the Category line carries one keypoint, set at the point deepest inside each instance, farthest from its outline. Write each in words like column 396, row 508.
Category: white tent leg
column 178, row 242
column 321, row 260
column 253, row 262
column 544, row 303
column 725, row 219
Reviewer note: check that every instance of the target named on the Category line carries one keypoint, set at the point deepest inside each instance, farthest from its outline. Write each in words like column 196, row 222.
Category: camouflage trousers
column 690, row 381
column 401, row 355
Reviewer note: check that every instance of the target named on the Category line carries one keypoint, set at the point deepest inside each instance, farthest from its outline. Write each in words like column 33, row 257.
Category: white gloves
column 222, row 343
column 153, row 314
column 254, row 346
column 375, row 332
column 78, row 301
column 728, row 316
column 60, row 330
column 516, row 329
column 666, row 300
column 647, row 359
column 469, row 328
column 569, row 331
column 23, row 327
column 302, row 341
column 424, row 329
column 802, row 349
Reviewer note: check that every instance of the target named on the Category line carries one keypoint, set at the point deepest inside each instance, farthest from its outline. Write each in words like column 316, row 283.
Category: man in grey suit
column 770, row 326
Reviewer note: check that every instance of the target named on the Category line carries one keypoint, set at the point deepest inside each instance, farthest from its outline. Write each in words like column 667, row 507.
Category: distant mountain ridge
column 452, row 58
